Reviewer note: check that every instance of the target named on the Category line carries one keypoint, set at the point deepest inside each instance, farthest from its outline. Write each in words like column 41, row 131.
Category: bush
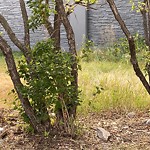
column 47, row 77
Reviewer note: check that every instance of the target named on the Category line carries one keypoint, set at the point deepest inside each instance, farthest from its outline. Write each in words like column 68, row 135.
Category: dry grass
column 122, row 90
column 5, row 86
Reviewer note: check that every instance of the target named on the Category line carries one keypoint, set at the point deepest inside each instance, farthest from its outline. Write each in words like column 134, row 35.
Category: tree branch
column 13, row 37
column 10, row 33
column 47, row 23
column 145, row 23
column 26, row 25
column 57, row 24
column 131, row 45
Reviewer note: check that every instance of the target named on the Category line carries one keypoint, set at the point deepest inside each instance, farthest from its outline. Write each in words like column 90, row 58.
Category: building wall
column 10, row 9
column 103, row 29
column 98, row 23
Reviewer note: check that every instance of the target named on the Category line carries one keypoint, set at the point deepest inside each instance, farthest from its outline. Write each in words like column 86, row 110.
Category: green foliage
column 137, row 5
column 40, row 12
column 47, row 77
column 86, row 51
column 85, row 1
column 119, row 51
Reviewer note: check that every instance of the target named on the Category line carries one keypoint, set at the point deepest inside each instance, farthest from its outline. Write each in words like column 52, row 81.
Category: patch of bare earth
column 128, row 132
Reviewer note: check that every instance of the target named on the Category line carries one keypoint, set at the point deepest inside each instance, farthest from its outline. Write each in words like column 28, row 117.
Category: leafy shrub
column 47, row 77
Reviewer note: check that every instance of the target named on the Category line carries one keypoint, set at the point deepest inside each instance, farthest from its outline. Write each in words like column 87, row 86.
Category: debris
column 3, row 134
column 1, row 142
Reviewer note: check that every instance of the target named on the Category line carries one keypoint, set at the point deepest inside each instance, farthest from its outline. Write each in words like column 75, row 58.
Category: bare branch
column 26, row 25
column 47, row 23
column 57, row 24
column 10, row 33
column 14, row 39
column 48, row 26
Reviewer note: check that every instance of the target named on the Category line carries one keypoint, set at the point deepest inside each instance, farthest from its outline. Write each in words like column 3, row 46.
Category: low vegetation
column 107, row 81
column 111, row 85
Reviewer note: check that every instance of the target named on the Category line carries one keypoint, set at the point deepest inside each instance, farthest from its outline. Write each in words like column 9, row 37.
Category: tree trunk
column 146, row 27
column 56, row 33
column 72, row 50
column 7, row 52
column 132, row 47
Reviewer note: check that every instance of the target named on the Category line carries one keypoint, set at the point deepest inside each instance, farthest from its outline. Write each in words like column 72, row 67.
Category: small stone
column 125, row 127
column 148, row 122
column 103, row 134
column 131, row 114
column 1, row 129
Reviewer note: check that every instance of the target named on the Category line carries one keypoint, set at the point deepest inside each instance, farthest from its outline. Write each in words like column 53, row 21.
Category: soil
column 128, row 132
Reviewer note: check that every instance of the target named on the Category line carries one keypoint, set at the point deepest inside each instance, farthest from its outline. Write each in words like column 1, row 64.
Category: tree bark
column 145, row 23
column 7, row 52
column 56, row 33
column 26, row 25
column 131, row 42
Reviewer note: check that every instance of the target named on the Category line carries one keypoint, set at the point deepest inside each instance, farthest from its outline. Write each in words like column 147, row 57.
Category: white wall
column 78, row 22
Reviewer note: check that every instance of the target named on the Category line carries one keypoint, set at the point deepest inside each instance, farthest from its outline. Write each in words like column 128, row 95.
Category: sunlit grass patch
column 5, row 85
column 119, row 87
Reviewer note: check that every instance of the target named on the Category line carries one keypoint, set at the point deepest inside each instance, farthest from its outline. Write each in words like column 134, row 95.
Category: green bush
column 47, row 77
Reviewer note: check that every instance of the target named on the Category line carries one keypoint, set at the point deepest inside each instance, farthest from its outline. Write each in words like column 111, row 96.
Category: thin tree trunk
column 57, row 25
column 131, row 42
column 148, row 64
column 7, row 51
column 26, row 25
column 72, row 50
column 145, row 24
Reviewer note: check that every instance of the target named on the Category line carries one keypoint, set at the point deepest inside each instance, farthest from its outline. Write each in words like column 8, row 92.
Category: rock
column 125, row 127
column 1, row 129
column 103, row 134
column 148, row 122
column 131, row 114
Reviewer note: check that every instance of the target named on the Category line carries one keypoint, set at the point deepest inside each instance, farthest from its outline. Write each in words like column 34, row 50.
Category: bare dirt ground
column 128, row 132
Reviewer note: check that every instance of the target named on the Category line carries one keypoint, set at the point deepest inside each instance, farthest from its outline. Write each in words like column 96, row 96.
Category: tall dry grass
column 119, row 87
